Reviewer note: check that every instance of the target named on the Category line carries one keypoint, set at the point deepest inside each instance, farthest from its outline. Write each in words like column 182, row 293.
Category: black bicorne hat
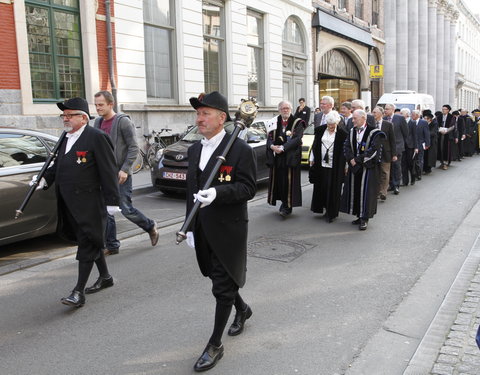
column 212, row 100
column 75, row 103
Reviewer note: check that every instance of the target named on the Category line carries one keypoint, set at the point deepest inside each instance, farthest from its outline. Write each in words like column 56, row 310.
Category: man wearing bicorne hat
column 219, row 230
column 85, row 177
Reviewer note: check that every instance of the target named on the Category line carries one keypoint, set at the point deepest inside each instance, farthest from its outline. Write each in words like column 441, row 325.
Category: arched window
column 294, row 60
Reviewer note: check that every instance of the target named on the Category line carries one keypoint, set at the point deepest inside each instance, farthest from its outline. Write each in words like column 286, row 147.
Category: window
column 159, row 58
column 359, row 9
column 342, row 4
column 55, row 49
column 18, row 149
column 255, row 55
column 213, row 46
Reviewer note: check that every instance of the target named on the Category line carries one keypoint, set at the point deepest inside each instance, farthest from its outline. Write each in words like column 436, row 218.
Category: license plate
column 175, row 176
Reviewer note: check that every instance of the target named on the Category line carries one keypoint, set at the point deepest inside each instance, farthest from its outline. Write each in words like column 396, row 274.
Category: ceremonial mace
column 32, row 189
column 247, row 111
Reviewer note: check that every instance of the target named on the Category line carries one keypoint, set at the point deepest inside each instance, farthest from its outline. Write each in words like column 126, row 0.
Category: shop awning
column 342, row 28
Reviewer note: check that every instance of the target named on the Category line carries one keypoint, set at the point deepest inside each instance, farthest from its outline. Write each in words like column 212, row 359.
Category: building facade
column 348, row 39
column 420, row 47
column 162, row 52
column 467, row 74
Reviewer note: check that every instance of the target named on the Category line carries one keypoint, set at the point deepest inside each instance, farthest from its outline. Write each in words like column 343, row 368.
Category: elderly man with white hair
column 326, row 106
column 362, row 149
column 327, row 167
column 284, row 154
column 410, row 155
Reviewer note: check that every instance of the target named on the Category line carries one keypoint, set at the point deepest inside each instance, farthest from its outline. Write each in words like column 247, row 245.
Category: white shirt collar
column 215, row 140
column 76, row 134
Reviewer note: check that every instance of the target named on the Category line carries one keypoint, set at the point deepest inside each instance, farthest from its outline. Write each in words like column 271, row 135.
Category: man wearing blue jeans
column 122, row 132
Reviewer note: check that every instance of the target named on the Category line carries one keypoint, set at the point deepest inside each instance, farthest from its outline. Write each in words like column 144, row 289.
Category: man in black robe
column 85, row 176
column 284, row 154
column 362, row 150
column 219, row 231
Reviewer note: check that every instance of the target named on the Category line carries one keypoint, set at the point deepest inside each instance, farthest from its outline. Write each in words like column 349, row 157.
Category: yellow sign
column 376, row 71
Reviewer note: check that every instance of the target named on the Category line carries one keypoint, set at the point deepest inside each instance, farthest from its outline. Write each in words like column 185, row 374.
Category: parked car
column 307, row 142
column 169, row 172
column 22, row 155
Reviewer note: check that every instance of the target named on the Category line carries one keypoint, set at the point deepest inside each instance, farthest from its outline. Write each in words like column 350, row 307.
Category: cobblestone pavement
column 459, row 354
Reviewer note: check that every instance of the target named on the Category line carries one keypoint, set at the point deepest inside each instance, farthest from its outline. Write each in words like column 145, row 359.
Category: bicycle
column 145, row 159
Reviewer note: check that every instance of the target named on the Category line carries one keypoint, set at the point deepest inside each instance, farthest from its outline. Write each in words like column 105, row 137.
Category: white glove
column 112, row 210
column 190, row 240
column 41, row 185
column 205, row 196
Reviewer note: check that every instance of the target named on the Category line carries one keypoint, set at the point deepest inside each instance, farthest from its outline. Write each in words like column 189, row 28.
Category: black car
column 169, row 172
column 22, row 155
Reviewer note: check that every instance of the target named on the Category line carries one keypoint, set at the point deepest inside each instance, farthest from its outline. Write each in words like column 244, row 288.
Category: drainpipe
column 110, row 53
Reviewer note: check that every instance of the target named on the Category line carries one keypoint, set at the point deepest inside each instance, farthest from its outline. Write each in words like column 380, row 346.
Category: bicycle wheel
column 138, row 163
column 151, row 153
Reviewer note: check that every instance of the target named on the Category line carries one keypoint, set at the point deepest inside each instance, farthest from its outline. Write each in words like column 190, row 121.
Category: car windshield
column 411, row 107
column 310, row 130
column 193, row 135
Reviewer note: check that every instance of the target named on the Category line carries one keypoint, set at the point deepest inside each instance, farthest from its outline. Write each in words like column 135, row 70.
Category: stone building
column 467, row 73
column 420, row 39
column 162, row 53
column 347, row 40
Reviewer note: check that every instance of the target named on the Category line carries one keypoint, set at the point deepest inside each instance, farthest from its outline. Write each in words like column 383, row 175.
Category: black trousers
column 224, row 289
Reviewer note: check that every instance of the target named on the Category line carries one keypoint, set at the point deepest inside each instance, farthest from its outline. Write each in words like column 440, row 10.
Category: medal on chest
column 81, row 156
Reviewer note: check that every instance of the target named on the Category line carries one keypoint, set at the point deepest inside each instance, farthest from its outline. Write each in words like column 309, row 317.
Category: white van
column 408, row 99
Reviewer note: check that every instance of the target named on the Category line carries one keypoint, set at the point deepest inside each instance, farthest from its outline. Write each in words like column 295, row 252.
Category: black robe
column 85, row 183
column 430, row 155
column 224, row 223
column 327, row 182
column 285, row 179
column 446, row 142
column 360, row 190
column 468, row 143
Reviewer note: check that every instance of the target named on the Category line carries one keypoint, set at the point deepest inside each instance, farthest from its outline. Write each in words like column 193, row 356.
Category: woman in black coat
column 327, row 167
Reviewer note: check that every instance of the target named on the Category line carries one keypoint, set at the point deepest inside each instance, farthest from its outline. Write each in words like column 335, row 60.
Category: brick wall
column 104, row 80
column 9, row 71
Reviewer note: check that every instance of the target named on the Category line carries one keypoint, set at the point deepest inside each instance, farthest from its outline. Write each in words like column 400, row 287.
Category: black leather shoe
column 396, row 191
column 209, row 358
column 383, row 197
column 76, row 299
column 413, row 182
column 153, row 233
column 239, row 322
column 363, row 224
column 100, row 284
column 356, row 222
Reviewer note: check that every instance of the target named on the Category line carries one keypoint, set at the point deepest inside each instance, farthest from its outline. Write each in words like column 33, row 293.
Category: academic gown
column 285, row 168
column 430, row 155
column 360, row 189
column 327, row 182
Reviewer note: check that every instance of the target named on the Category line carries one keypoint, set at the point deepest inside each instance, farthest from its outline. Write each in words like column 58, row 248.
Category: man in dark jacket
column 388, row 151
column 85, row 182
column 400, row 129
column 122, row 132
column 423, row 141
column 409, row 157
column 284, row 154
column 219, row 231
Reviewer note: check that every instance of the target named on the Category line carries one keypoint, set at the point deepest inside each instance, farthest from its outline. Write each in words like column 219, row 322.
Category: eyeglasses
column 284, row 108
column 69, row 116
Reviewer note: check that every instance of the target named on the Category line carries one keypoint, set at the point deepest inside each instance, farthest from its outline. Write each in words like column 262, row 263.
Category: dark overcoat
column 430, row 155
column 85, row 183
column 225, row 221
column 327, row 188
column 285, row 168
column 360, row 190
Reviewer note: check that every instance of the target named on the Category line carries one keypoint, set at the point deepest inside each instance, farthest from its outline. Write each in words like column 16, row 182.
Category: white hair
column 358, row 103
column 390, row 105
column 361, row 113
column 405, row 111
column 284, row 102
column 329, row 99
column 332, row 117
column 416, row 112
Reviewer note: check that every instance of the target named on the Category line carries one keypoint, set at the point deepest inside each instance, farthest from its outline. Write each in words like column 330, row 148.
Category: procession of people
column 355, row 159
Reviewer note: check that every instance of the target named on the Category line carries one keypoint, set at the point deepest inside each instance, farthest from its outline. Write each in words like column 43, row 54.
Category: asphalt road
column 313, row 314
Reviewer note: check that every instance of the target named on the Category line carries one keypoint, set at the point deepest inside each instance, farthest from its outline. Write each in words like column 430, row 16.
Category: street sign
column 376, row 71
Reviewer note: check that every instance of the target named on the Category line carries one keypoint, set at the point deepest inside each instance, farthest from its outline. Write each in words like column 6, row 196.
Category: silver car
column 22, row 155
